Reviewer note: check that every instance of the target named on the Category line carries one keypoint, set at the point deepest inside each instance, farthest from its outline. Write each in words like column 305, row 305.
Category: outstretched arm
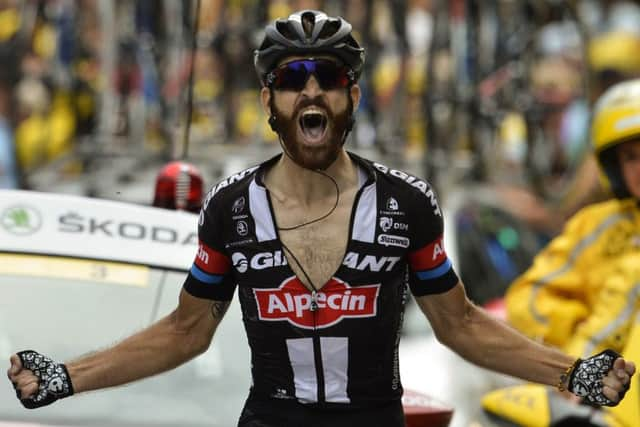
column 168, row 343
column 478, row 337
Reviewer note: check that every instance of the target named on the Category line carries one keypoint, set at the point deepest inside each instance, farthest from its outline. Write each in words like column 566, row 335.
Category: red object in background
column 497, row 308
column 179, row 186
column 421, row 410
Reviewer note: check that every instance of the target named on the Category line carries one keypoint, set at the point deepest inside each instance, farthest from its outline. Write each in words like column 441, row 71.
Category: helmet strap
column 350, row 123
column 273, row 120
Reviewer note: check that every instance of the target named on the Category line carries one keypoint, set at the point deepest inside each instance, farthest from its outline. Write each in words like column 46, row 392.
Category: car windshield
column 66, row 307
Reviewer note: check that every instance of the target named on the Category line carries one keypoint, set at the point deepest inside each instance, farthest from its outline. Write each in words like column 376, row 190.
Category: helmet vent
column 329, row 28
column 283, row 28
column 308, row 22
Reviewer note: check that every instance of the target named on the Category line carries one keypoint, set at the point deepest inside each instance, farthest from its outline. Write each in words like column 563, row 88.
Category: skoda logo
column 21, row 220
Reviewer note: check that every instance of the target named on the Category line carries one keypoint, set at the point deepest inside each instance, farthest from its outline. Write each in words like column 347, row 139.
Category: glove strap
column 566, row 375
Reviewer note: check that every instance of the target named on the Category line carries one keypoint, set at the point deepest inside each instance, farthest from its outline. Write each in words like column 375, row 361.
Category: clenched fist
column 38, row 380
column 602, row 379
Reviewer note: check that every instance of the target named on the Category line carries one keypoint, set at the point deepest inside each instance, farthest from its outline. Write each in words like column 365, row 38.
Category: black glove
column 54, row 383
column 586, row 379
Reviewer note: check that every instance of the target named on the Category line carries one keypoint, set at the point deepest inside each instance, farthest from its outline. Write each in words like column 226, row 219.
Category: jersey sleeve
column 430, row 270
column 210, row 275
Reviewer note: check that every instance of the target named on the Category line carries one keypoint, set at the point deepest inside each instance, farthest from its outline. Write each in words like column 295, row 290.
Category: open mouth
column 313, row 124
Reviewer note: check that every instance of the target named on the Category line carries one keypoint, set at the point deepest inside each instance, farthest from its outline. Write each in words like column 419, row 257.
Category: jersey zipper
column 317, row 348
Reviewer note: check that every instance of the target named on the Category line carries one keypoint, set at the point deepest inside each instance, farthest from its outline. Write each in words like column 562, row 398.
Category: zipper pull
column 314, row 300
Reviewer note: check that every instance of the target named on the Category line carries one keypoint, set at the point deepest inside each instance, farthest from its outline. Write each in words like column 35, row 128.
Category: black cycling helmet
column 307, row 32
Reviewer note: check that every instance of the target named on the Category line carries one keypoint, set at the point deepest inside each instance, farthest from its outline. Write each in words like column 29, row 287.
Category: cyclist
column 321, row 245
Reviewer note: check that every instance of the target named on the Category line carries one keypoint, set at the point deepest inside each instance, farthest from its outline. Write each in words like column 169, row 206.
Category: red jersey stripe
column 428, row 257
column 211, row 261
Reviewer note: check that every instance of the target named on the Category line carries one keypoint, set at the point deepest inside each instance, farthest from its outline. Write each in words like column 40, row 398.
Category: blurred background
column 95, row 95
column 489, row 100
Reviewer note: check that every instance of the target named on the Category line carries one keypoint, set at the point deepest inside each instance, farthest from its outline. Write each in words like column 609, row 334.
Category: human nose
column 312, row 87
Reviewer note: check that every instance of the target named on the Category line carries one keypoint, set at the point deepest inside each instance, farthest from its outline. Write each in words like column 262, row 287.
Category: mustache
column 316, row 101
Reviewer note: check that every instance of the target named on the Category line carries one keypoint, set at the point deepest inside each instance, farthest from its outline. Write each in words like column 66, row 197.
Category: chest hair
column 319, row 248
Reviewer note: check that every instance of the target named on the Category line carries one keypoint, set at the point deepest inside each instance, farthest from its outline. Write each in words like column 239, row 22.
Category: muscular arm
column 168, row 343
column 485, row 341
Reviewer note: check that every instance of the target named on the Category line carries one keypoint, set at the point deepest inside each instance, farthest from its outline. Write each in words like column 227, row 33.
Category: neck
column 289, row 180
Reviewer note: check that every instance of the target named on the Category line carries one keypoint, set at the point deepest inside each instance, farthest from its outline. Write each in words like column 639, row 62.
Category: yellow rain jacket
column 583, row 289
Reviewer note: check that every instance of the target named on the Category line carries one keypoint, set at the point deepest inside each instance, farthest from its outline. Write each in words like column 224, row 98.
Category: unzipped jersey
column 339, row 346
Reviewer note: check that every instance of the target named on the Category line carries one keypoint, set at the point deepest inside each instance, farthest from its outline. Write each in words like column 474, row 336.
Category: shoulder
column 605, row 209
column 230, row 188
column 406, row 185
column 600, row 214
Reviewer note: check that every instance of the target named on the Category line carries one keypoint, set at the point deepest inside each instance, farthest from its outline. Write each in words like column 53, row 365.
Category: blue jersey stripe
column 205, row 277
column 435, row 272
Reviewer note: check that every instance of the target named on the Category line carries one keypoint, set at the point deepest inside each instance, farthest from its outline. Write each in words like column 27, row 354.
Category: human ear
column 265, row 98
column 355, row 94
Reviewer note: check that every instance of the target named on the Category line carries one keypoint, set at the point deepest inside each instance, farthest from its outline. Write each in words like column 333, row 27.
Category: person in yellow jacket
column 582, row 292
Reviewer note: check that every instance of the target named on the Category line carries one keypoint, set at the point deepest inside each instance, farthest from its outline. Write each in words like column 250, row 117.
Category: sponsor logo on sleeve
column 242, row 228
column 391, row 240
column 238, row 205
column 429, row 256
column 225, row 183
column 392, row 204
column 211, row 261
column 414, row 182
column 386, row 223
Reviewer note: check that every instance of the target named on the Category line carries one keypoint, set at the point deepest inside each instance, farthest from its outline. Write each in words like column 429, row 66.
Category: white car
column 79, row 274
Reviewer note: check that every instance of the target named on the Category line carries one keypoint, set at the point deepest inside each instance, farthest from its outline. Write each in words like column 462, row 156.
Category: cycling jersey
column 260, row 412
column 337, row 347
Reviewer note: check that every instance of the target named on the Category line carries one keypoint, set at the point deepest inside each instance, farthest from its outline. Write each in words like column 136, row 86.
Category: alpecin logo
column 337, row 300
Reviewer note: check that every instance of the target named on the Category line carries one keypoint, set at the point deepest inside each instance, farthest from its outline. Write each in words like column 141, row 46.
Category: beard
column 317, row 157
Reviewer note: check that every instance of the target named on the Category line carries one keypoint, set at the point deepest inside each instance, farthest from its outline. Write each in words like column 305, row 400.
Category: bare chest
column 315, row 251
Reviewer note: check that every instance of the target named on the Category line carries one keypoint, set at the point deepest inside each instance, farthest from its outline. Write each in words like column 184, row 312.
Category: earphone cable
column 333, row 208
column 306, row 276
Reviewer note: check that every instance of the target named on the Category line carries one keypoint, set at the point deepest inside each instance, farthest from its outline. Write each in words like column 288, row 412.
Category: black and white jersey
column 338, row 346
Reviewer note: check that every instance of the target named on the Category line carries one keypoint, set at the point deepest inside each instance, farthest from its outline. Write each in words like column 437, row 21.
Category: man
column 320, row 244
column 582, row 293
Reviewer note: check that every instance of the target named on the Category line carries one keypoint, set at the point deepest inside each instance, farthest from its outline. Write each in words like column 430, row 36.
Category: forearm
column 492, row 344
column 159, row 348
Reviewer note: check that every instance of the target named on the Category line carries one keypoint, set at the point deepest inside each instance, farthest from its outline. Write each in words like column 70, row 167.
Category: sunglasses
column 294, row 75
